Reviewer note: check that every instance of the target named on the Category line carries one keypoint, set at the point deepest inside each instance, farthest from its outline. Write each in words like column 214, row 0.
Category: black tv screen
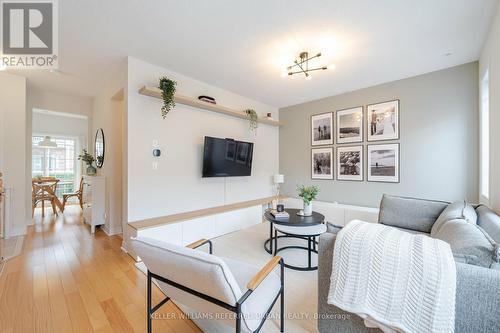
column 227, row 158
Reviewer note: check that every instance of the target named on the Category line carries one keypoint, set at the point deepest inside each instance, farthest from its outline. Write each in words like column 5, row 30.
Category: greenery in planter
column 167, row 88
column 253, row 118
column 86, row 157
column 308, row 193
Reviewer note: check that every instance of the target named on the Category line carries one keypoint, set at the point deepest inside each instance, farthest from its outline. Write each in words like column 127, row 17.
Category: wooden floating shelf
column 156, row 92
column 180, row 217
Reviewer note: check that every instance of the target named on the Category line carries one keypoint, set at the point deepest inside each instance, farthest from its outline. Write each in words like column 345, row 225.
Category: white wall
column 490, row 59
column 177, row 184
column 108, row 114
column 13, row 134
column 50, row 124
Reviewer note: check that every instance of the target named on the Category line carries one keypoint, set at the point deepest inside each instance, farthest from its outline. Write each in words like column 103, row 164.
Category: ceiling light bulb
column 284, row 74
column 331, row 67
column 308, row 77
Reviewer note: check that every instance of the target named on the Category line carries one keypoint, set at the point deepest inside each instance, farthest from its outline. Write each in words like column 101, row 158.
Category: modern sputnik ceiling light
column 301, row 65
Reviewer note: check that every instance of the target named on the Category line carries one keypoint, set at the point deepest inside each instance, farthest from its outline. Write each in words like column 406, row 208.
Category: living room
column 275, row 166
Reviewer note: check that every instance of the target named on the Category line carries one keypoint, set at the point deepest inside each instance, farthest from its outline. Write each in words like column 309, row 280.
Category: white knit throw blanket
column 395, row 280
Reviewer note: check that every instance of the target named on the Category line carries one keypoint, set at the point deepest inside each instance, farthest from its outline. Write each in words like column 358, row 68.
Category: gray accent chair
column 477, row 307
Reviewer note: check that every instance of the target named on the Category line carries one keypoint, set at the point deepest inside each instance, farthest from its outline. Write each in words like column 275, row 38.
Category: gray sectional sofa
column 473, row 233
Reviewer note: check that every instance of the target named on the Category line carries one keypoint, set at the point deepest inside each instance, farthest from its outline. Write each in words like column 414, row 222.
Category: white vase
column 308, row 208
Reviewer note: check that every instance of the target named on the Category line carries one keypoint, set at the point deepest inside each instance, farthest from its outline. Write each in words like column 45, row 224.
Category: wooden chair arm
column 199, row 243
column 263, row 273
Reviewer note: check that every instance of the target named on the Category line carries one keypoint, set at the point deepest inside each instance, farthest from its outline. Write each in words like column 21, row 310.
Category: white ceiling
column 243, row 46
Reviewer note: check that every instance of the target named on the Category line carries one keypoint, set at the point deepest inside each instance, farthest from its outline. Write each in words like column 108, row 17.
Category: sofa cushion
column 489, row 221
column 468, row 240
column 455, row 211
column 410, row 213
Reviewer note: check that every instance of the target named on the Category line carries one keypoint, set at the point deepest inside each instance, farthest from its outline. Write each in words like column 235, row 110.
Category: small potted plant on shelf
column 167, row 88
column 252, row 118
column 308, row 194
column 89, row 159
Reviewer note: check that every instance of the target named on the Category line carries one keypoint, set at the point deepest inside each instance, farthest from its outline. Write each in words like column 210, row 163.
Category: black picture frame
column 397, row 160
column 329, row 150
column 338, row 114
column 369, row 123
column 325, row 142
column 361, row 176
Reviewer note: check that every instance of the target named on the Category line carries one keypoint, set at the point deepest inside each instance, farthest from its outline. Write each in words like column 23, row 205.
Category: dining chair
column 44, row 189
column 78, row 194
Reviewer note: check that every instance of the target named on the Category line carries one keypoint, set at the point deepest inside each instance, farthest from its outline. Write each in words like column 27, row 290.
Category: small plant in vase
column 89, row 159
column 308, row 194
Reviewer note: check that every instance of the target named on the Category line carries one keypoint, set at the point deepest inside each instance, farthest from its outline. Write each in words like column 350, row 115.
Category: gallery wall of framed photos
column 357, row 144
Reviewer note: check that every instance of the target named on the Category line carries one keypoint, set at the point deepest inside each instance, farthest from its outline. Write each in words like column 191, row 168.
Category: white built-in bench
column 185, row 228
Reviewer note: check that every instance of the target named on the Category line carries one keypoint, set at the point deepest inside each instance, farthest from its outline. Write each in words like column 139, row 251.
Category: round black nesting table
column 293, row 221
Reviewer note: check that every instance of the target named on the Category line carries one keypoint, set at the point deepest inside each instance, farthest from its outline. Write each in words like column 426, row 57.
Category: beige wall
column 490, row 60
column 438, row 141
column 13, row 134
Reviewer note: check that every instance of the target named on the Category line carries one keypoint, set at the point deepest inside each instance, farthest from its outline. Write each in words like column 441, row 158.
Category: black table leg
column 271, row 236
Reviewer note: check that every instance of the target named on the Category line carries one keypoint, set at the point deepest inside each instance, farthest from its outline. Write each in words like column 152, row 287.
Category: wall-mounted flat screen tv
column 227, row 158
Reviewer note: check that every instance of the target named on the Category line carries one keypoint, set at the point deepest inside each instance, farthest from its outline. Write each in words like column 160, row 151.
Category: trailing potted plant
column 89, row 159
column 252, row 118
column 308, row 194
column 167, row 88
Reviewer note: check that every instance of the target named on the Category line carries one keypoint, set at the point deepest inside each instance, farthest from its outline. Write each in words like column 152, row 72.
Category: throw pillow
column 456, row 210
column 468, row 240
column 470, row 214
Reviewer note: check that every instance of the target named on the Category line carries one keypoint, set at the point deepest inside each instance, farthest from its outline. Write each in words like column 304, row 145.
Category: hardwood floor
column 67, row 280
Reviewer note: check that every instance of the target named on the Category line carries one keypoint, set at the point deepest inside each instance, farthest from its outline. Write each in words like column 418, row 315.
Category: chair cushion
column 223, row 279
column 468, row 240
column 256, row 305
column 489, row 221
column 194, row 269
column 410, row 213
column 312, row 230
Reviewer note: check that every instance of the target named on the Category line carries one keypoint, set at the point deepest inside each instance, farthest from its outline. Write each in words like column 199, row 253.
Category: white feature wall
column 13, row 134
column 490, row 60
column 176, row 185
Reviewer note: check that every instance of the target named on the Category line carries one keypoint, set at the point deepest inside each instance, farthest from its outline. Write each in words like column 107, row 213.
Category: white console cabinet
column 94, row 201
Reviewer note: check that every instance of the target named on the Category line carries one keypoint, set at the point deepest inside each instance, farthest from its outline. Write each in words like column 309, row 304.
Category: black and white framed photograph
column 350, row 125
column 321, row 129
column 383, row 163
column 322, row 163
column 350, row 163
column 383, row 121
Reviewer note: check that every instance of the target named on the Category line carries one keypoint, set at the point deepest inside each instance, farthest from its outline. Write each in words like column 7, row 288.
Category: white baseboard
column 112, row 231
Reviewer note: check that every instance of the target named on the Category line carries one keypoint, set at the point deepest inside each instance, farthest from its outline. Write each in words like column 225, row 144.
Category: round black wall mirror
column 99, row 148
